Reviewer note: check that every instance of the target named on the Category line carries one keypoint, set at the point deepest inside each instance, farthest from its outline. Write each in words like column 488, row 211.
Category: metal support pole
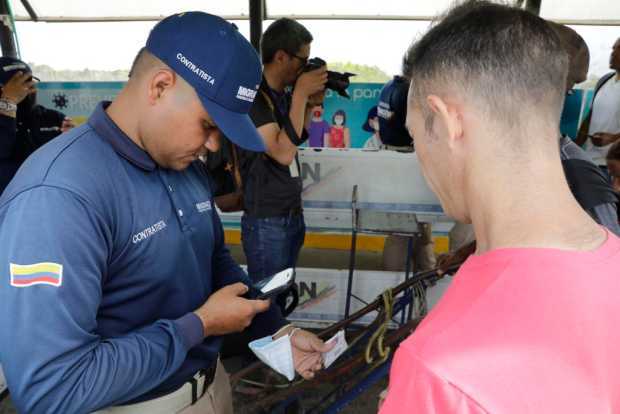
column 347, row 306
column 257, row 15
column 410, row 253
column 354, row 227
column 7, row 38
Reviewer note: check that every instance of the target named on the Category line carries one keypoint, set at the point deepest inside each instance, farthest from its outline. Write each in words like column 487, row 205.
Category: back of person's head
column 614, row 152
column 614, row 61
column 283, row 34
column 392, row 112
column 578, row 53
column 504, row 62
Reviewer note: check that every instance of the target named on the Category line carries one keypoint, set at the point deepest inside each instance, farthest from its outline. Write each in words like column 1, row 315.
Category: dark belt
column 209, row 374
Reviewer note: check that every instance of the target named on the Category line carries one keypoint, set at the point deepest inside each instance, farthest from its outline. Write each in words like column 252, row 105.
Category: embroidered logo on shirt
column 383, row 111
column 204, row 206
column 45, row 273
column 148, row 232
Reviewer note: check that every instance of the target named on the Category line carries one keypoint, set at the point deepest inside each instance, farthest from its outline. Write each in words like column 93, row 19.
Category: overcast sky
column 109, row 46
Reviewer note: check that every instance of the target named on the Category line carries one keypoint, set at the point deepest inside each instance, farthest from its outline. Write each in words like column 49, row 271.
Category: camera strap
column 283, row 119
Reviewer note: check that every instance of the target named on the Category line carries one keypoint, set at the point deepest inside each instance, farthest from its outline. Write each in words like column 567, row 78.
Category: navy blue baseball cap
column 392, row 112
column 10, row 66
column 212, row 56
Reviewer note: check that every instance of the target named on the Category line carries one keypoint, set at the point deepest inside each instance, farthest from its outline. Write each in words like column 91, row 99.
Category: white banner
column 386, row 180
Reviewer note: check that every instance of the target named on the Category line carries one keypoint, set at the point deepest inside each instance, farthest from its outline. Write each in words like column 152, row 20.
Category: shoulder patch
column 45, row 273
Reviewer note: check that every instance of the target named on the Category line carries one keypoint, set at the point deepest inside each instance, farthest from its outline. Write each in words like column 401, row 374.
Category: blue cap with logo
column 10, row 66
column 212, row 56
column 392, row 113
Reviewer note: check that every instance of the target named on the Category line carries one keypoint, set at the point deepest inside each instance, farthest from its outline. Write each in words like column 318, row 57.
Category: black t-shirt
column 269, row 189
column 588, row 184
column 22, row 136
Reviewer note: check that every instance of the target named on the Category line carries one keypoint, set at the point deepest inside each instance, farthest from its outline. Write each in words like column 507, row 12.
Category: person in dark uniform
column 24, row 125
column 120, row 304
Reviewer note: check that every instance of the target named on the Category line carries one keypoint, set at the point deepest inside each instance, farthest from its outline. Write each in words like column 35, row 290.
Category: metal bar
column 410, row 290
column 428, row 275
column 110, row 19
column 7, row 37
column 275, row 396
column 94, row 19
column 30, row 10
column 257, row 15
column 347, row 308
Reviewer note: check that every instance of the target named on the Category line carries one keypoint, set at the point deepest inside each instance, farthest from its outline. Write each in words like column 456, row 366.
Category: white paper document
column 337, row 350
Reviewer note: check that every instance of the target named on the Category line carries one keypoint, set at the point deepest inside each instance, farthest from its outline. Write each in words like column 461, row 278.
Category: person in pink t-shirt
column 530, row 323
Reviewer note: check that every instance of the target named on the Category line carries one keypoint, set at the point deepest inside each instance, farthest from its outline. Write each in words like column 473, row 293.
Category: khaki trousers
column 216, row 400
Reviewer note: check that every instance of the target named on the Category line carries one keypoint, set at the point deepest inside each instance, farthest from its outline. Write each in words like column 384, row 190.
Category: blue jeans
column 271, row 244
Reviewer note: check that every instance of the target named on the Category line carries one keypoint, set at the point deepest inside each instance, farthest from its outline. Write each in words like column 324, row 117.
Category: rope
column 379, row 335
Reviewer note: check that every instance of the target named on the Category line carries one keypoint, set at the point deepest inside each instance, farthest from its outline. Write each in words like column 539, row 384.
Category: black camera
column 336, row 81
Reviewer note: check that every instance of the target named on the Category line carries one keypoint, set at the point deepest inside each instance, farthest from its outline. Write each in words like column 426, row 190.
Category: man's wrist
column 8, row 107
column 203, row 321
column 283, row 331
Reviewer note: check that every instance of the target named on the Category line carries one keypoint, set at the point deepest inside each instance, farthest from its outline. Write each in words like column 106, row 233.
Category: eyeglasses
column 303, row 60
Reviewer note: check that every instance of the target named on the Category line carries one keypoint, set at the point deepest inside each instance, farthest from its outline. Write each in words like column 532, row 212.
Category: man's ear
column 160, row 85
column 214, row 140
column 449, row 117
column 280, row 56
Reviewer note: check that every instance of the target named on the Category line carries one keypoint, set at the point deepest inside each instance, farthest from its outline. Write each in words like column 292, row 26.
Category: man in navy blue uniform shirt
column 116, row 284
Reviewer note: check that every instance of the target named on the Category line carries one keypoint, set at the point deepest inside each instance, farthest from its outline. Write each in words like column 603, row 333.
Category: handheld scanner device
column 276, row 284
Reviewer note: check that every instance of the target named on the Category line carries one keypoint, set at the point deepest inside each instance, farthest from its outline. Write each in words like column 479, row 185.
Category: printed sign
column 340, row 123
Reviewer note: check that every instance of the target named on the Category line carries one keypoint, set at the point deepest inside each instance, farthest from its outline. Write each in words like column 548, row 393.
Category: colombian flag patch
column 46, row 273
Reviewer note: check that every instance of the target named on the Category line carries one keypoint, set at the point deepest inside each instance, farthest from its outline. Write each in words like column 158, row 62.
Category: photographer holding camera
column 272, row 226
column 24, row 125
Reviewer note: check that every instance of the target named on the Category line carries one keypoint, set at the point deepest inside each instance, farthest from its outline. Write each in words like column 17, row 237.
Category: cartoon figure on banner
column 372, row 125
column 318, row 131
column 339, row 134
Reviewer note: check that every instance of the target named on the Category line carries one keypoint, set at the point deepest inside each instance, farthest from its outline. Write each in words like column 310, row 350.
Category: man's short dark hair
column 136, row 61
column 503, row 58
column 283, row 34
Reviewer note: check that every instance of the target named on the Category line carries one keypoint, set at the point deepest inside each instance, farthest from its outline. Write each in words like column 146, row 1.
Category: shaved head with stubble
column 166, row 117
column 487, row 90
